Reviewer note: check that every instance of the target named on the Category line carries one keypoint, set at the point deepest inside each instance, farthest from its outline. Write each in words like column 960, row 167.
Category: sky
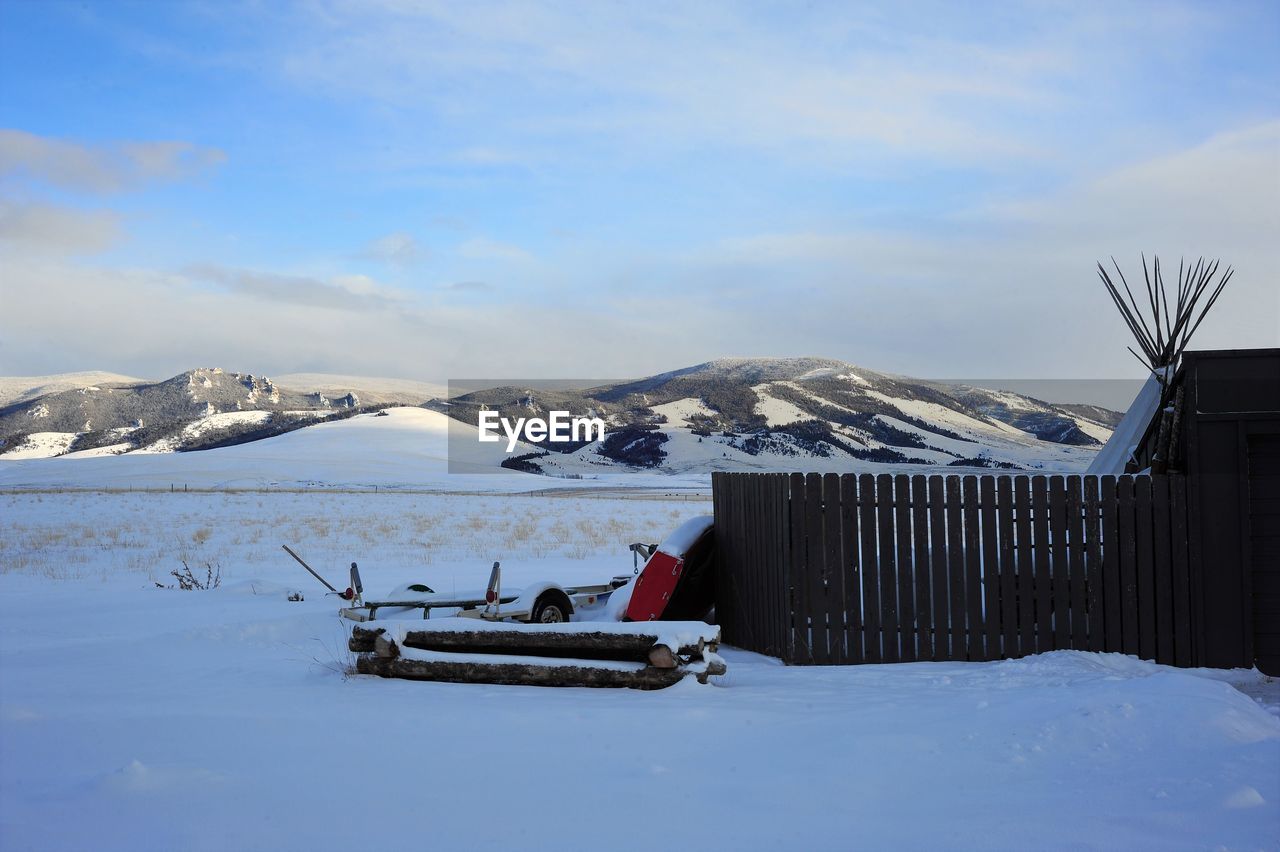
column 452, row 190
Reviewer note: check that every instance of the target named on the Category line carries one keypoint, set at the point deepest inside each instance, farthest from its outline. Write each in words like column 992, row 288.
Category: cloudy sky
column 449, row 190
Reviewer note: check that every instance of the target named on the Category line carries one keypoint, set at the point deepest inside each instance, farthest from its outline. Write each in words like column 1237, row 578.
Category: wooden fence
column 836, row 569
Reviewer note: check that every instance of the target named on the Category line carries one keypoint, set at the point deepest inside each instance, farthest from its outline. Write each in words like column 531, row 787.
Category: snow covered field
column 133, row 717
column 396, row 538
column 409, row 449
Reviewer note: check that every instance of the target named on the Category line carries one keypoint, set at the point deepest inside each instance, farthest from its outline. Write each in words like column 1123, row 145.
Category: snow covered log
column 596, row 654
column 634, row 645
column 362, row 640
column 546, row 673
column 660, row 657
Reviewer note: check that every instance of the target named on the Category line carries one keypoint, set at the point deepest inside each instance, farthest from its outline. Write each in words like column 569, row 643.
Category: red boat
column 678, row 580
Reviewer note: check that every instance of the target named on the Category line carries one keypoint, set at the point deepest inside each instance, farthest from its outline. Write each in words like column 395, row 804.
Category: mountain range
column 198, row 409
column 754, row 413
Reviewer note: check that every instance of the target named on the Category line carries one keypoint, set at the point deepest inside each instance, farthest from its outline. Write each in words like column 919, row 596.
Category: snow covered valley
column 135, row 717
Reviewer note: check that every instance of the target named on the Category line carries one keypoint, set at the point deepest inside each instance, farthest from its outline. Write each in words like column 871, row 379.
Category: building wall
column 1233, row 396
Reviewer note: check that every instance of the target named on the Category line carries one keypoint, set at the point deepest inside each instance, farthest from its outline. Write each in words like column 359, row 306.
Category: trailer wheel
column 551, row 607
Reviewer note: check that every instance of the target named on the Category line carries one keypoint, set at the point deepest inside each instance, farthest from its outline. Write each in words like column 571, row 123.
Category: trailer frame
column 494, row 606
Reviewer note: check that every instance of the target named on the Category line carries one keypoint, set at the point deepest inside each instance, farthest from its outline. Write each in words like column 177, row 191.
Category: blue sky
column 448, row 190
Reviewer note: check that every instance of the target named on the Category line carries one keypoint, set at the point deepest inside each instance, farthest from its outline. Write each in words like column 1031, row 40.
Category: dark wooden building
column 1229, row 449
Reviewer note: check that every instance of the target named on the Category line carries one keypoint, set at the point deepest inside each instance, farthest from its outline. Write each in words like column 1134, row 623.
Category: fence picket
column 1093, row 559
column 725, row 575
column 762, row 579
column 755, row 576
column 1111, row 606
column 990, row 568
column 800, row 649
column 736, row 559
column 780, row 526
column 852, row 567
column 955, row 570
column 1143, row 545
column 747, row 556
column 906, row 563
column 1079, row 623
column 1128, row 565
column 889, row 629
column 1043, row 588
column 974, row 634
column 870, row 568
column 1060, row 606
column 1008, row 571
column 816, row 557
column 743, row 560
column 777, row 531
column 835, row 570
column 938, row 570
column 1026, row 579
column 920, row 538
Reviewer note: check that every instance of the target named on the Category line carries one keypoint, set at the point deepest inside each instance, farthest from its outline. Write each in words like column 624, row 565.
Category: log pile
column 647, row 657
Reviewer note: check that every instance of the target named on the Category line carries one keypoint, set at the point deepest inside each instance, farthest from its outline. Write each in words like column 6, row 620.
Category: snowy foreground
column 134, row 717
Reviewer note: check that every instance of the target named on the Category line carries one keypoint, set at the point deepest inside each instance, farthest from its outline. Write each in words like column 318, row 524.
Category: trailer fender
column 530, row 594
column 551, row 606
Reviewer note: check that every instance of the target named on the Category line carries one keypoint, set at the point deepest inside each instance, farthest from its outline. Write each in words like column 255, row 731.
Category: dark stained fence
column 836, row 569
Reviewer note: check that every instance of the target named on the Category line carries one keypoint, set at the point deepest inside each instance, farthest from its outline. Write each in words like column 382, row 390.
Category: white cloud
column 1010, row 289
column 398, row 248
column 48, row 228
column 344, row 293
column 1221, row 196
column 100, row 168
column 842, row 82
column 57, row 315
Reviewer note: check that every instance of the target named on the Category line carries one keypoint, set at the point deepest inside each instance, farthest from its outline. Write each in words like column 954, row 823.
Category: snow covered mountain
column 370, row 389
column 198, row 409
column 732, row 413
column 768, row 413
column 22, row 388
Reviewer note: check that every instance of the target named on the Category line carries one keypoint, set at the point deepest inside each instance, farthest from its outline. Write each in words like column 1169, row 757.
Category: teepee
column 1162, row 332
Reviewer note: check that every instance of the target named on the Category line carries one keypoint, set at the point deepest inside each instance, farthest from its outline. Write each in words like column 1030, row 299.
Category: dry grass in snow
column 100, row 535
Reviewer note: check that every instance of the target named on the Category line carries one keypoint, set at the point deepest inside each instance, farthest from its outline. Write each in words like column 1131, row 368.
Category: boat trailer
column 653, row 639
